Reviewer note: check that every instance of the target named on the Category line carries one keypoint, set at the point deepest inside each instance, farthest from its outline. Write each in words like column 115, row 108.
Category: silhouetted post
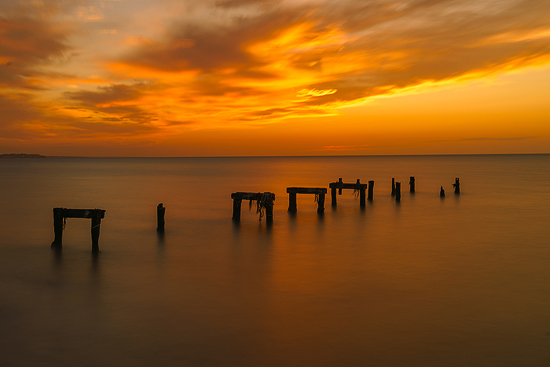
column 361, row 194
column 321, row 203
column 371, row 190
column 333, row 195
column 292, row 202
column 269, row 208
column 58, row 227
column 398, row 191
column 237, row 201
column 411, row 184
column 456, row 185
column 160, row 217
column 96, row 222
column 442, row 192
column 393, row 187
column 340, row 187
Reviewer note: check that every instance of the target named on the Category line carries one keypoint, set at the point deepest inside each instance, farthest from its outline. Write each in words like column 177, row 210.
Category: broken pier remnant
column 412, row 184
column 161, row 210
column 355, row 186
column 319, row 192
column 456, row 185
column 59, row 216
column 264, row 203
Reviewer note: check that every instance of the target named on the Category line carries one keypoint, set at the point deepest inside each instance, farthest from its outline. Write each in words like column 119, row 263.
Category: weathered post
column 333, row 196
column 58, row 227
column 441, row 192
column 269, row 207
column 292, row 202
column 237, row 201
column 96, row 222
column 321, row 203
column 361, row 193
column 160, row 217
column 393, row 187
column 456, row 185
column 340, row 187
column 398, row 191
column 411, row 184
column 371, row 190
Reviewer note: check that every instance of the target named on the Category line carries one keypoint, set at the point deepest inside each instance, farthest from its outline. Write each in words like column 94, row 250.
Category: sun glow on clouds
column 85, row 70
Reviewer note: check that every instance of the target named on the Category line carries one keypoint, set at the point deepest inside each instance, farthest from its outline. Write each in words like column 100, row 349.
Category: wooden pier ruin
column 456, row 185
column 355, row 186
column 264, row 203
column 319, row 192
column 61, row 214
column 161, row 210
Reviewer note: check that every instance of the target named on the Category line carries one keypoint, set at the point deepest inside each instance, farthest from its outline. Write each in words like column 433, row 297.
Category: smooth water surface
column 459, row 281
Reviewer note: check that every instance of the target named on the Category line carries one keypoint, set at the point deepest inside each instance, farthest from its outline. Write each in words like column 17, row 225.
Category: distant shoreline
column 21, row 155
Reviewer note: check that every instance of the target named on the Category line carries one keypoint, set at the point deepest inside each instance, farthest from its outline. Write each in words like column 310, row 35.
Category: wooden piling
column 292, row 202
column 398, row 191
column 96, row 222
column 456, row 185
column 237, row 209
column 340, row 187
column 371, row 191
column 333, row 195
column 412, row 184
column 361, row 189
column 160, row 217
column 393, row 186
column 58, row 227
column 321, row 203
column 442, row 192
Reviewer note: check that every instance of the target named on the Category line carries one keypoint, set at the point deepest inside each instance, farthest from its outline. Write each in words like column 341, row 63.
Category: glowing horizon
column 243, row 77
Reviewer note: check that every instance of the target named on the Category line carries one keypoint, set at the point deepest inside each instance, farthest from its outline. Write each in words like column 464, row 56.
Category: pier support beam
column 398, row 191
column 264, row 200
column 59, row 216
column 371, row 191
column 393, row 187
column 355, row 186
column 320, row 192
column 441, row 192
column 412, row 184
column 160, row 217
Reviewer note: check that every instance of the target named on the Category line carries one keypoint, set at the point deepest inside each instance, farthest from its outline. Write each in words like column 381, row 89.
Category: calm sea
column 459, row 281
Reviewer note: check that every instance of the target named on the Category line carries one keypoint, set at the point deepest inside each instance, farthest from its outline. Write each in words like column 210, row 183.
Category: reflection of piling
column 393, row 187
column 371, row 191
column 411, row 184
column 441, row 192
column 398, row 191
column 456, row 185
column 59, row 216
column 160, row 217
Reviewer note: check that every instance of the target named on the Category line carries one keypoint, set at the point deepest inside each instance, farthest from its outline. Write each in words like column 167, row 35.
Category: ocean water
column 459, row 281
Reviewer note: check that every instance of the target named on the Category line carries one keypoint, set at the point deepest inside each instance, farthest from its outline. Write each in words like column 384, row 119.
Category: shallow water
column 427, row 282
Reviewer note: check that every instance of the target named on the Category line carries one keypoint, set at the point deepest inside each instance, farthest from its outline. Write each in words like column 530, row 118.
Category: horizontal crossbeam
column 306, row 190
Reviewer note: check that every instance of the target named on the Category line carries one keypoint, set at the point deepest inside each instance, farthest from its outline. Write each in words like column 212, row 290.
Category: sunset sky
column 274, row 77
